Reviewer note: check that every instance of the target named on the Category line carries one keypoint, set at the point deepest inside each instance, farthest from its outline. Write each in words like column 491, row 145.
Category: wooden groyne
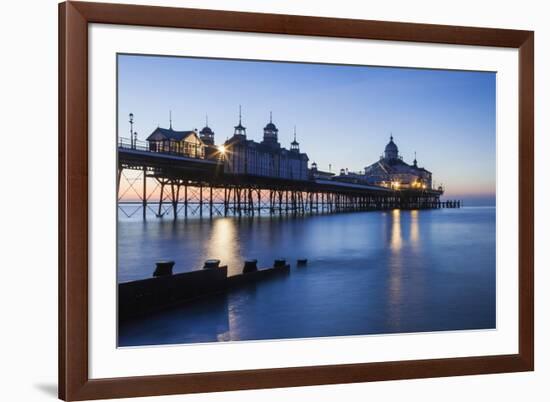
column 165, row 289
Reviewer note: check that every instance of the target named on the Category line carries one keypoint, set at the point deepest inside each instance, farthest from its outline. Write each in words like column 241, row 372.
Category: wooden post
column 286, row 201
column 144, row 199
column 174, row 199
column 119, row 173
column 234, row 200
column 250, row 202
column 225, row 201
column 200, row 200
column 317, row 201
column 239, row 200
column 259, row 202
column 161, row 199
column 186, row 200
column 211, row 201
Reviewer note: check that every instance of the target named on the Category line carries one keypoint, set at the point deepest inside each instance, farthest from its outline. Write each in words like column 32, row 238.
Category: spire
column 414, row 162
column 206, row 119
column 170, row 120
column 391, row 136
column 240, row 129
column 294, row 145
column 271, row 117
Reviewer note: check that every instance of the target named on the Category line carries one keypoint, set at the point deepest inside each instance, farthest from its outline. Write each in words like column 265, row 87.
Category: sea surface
column 367, row 273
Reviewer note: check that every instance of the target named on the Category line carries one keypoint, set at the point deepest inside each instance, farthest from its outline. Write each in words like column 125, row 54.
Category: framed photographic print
column 259, row 200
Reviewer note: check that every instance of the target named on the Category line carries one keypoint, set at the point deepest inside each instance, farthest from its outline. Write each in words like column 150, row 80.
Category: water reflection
column 414, row 232
column 237, row 305
column 223, row 244
column 396, row 239
column 367, row 273
column 395, row 270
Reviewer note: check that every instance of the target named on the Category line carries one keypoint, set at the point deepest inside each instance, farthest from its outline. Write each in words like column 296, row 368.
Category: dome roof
column 391, row 152
column 391, row 147
column 206, row 130
column 270, row 127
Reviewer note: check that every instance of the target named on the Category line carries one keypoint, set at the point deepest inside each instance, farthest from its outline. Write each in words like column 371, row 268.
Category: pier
column 194, row 186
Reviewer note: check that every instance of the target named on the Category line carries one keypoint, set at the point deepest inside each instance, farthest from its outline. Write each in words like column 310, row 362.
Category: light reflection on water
column 395, row 267
column 368, row 272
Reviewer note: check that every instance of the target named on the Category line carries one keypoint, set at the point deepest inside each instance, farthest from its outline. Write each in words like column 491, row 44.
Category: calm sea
column 367, row 273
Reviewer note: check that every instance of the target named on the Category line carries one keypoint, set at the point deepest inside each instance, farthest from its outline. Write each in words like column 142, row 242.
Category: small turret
column 240, row 129
column 271, row 132
column 206, row 134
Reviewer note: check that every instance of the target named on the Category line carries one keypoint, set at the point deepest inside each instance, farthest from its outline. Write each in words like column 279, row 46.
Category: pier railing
column 138, row 145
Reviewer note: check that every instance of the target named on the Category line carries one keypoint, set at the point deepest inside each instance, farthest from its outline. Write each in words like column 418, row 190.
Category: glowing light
column 395, row 184
column 221, row 149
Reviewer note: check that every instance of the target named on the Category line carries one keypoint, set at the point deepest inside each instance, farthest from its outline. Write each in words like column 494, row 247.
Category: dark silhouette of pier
column 195, row 186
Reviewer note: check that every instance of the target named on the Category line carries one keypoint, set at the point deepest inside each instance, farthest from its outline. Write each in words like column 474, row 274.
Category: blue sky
column 343, row 114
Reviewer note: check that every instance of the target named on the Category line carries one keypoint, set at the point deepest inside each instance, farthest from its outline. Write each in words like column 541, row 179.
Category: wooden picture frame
column 74, row 381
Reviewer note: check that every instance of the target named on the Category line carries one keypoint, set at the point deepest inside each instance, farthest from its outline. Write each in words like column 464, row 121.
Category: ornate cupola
column 295, row 145
column 415, row 163
column 391, row 151
column 206, row 134
column 240, row 129
column 270, row 131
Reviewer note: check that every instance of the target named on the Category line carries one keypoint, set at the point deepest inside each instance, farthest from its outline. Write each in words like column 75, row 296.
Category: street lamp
column 131, row 116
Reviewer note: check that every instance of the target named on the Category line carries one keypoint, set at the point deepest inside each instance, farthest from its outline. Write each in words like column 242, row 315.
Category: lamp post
column 131, row 116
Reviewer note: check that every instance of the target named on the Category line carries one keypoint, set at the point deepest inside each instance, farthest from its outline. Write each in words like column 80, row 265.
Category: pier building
column 241, row 176
column 184, row 143
column 267, row 158
column 391, row 171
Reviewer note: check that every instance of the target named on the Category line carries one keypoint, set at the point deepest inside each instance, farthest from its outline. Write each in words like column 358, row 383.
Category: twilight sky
column 343, row 114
